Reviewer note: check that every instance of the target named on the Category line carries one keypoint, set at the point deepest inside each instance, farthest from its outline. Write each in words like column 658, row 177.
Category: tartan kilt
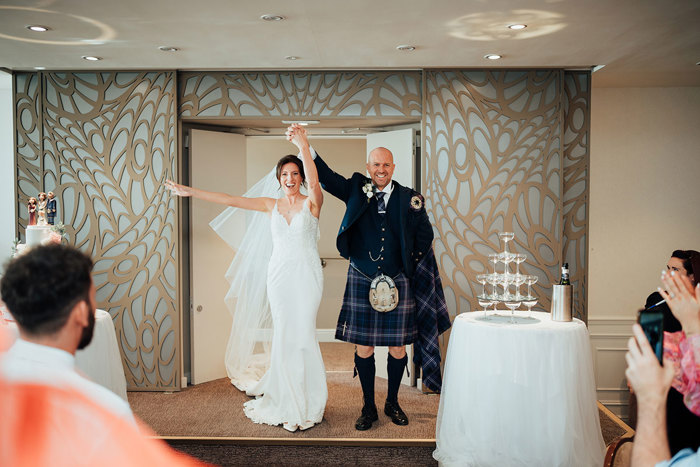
column 360, row 324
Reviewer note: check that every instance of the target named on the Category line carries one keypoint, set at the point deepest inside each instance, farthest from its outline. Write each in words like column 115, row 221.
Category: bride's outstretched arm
column 297, row 135
column 253, row 204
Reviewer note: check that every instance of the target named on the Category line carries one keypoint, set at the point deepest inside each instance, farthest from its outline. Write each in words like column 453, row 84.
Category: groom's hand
column 291, row 131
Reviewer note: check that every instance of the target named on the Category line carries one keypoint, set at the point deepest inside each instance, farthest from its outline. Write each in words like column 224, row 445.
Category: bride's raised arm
column 297, row 135
column 253, row 204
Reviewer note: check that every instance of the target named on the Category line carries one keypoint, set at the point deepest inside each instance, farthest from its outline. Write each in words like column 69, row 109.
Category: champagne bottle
column 564, row 275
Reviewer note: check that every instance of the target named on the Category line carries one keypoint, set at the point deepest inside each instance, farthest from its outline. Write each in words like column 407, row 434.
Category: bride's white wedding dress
column 293, row 391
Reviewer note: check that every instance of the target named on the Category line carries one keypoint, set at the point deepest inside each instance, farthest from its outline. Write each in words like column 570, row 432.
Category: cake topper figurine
column 31, row 209
column 41, row 209
column 51, row 208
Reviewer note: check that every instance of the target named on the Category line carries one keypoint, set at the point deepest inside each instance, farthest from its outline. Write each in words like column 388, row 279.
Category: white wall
column 7, row 169
column 644, row 191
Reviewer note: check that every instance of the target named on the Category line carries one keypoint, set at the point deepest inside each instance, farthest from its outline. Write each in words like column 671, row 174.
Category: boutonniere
column 417, row 202
column 368, row 189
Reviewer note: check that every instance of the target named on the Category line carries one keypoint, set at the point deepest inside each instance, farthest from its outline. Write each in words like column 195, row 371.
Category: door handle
column 199, row 308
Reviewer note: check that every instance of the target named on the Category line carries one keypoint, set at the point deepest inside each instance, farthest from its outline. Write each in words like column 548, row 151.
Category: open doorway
column 232, row 159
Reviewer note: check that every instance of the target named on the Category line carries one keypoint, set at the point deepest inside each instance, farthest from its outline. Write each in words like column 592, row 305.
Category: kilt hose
column 361, row 324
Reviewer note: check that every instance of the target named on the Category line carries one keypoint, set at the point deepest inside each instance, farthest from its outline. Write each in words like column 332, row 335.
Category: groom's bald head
column 380, row 166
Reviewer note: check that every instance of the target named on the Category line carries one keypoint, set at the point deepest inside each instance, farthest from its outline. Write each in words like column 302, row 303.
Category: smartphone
column 652, row 322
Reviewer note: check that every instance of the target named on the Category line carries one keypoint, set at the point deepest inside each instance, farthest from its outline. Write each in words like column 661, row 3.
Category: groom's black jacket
column 408, row 231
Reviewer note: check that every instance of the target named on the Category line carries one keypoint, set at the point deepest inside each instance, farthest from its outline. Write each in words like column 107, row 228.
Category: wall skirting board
column 608, row 345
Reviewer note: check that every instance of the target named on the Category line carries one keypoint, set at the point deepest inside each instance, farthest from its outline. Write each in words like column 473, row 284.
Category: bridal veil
column 248, row 233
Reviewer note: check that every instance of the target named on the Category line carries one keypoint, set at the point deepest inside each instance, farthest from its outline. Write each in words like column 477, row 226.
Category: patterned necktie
column 381, row 207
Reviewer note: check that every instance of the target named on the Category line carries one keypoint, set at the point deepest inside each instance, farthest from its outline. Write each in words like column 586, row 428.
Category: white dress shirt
column 387, row 192
column 26, row 362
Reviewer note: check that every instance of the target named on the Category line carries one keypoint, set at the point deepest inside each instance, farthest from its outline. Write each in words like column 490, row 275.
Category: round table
column 519, row 393
column 100, row 361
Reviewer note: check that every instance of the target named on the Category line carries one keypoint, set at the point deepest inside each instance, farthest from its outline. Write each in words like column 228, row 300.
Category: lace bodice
column 299, row 238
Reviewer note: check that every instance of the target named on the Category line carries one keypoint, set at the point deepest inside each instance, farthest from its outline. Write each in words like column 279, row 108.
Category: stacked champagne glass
column 505, row 285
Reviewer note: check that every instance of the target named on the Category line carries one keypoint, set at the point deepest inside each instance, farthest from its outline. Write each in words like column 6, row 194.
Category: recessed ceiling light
column 406, row 48
column 166, row 48
column 39, row 67
column 493, row 56
column 272, row 18
column 517, row 26
column 38, row 28
column 91, row 58
column 291, row 57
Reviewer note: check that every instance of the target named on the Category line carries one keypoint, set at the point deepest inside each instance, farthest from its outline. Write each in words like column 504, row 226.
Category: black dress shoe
column 392, row 410
column 369, row 415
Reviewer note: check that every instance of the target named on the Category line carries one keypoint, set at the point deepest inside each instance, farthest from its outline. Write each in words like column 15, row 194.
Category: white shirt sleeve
column 683, row 458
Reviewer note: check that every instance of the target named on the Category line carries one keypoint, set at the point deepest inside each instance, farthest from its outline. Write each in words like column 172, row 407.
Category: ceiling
column 640, row 42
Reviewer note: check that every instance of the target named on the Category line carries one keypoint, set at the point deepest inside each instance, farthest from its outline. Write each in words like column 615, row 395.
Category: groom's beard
column 86, row 336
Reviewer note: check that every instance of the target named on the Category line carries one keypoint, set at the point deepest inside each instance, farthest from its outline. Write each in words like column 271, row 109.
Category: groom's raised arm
column 332, row 182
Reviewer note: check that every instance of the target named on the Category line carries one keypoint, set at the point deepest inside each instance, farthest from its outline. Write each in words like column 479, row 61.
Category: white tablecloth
column 518, row 394
column 100, row 361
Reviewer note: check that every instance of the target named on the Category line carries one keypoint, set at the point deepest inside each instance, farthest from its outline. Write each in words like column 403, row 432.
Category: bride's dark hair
column 295, row 160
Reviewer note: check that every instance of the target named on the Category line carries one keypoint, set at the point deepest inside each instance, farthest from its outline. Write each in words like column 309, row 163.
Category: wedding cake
column 38, row 234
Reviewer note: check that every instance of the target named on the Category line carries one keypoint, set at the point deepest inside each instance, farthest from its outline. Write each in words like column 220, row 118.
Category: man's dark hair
column 691, row 262
column 294, row 160
column 41, row 287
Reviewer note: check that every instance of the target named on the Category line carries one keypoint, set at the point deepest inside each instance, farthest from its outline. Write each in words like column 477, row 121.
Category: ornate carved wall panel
column 577, row 110
column 109, row 143
column 493, row 162
column 300, row 94
column 28, row 137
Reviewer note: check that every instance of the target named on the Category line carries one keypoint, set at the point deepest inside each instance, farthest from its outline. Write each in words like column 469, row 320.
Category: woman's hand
column 683, row 299
column 297, row 135
column 649, row 380
column 177, row 189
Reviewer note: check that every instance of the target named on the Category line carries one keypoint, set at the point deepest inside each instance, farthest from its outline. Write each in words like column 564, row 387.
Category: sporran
column 383, row 294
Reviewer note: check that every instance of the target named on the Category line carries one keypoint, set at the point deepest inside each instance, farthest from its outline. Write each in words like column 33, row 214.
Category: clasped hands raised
column 297, row 135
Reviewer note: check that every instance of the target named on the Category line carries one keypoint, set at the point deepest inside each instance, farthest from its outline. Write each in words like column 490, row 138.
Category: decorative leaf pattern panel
column 577, row 123
column 300, row 94
column 28, row 137
column 109, row 144
column 493, row 162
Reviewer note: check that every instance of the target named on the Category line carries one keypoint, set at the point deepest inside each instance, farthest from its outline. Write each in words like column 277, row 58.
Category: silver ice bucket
column 561, row 302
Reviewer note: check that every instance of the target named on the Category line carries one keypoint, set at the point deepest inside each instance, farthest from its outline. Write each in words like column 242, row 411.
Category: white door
column 401, row 145
column 218, row 164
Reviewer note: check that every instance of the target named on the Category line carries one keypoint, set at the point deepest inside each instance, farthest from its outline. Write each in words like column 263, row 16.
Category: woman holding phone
column 682, row 425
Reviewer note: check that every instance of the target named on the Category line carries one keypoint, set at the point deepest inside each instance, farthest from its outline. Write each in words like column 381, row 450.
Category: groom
column 385, row 231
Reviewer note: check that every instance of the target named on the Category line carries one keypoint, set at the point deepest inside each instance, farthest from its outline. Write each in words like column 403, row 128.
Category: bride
column 292, row 392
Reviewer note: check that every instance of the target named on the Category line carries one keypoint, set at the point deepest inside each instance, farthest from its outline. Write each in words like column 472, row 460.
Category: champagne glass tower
column 511, row 300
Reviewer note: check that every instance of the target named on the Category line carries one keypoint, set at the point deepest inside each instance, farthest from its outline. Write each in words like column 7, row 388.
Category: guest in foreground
column 387, row 236
column 683, row 348
column 50, row 293
column 682, row 423
column 683, row 427
column 61, row 427
column 651, row 381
